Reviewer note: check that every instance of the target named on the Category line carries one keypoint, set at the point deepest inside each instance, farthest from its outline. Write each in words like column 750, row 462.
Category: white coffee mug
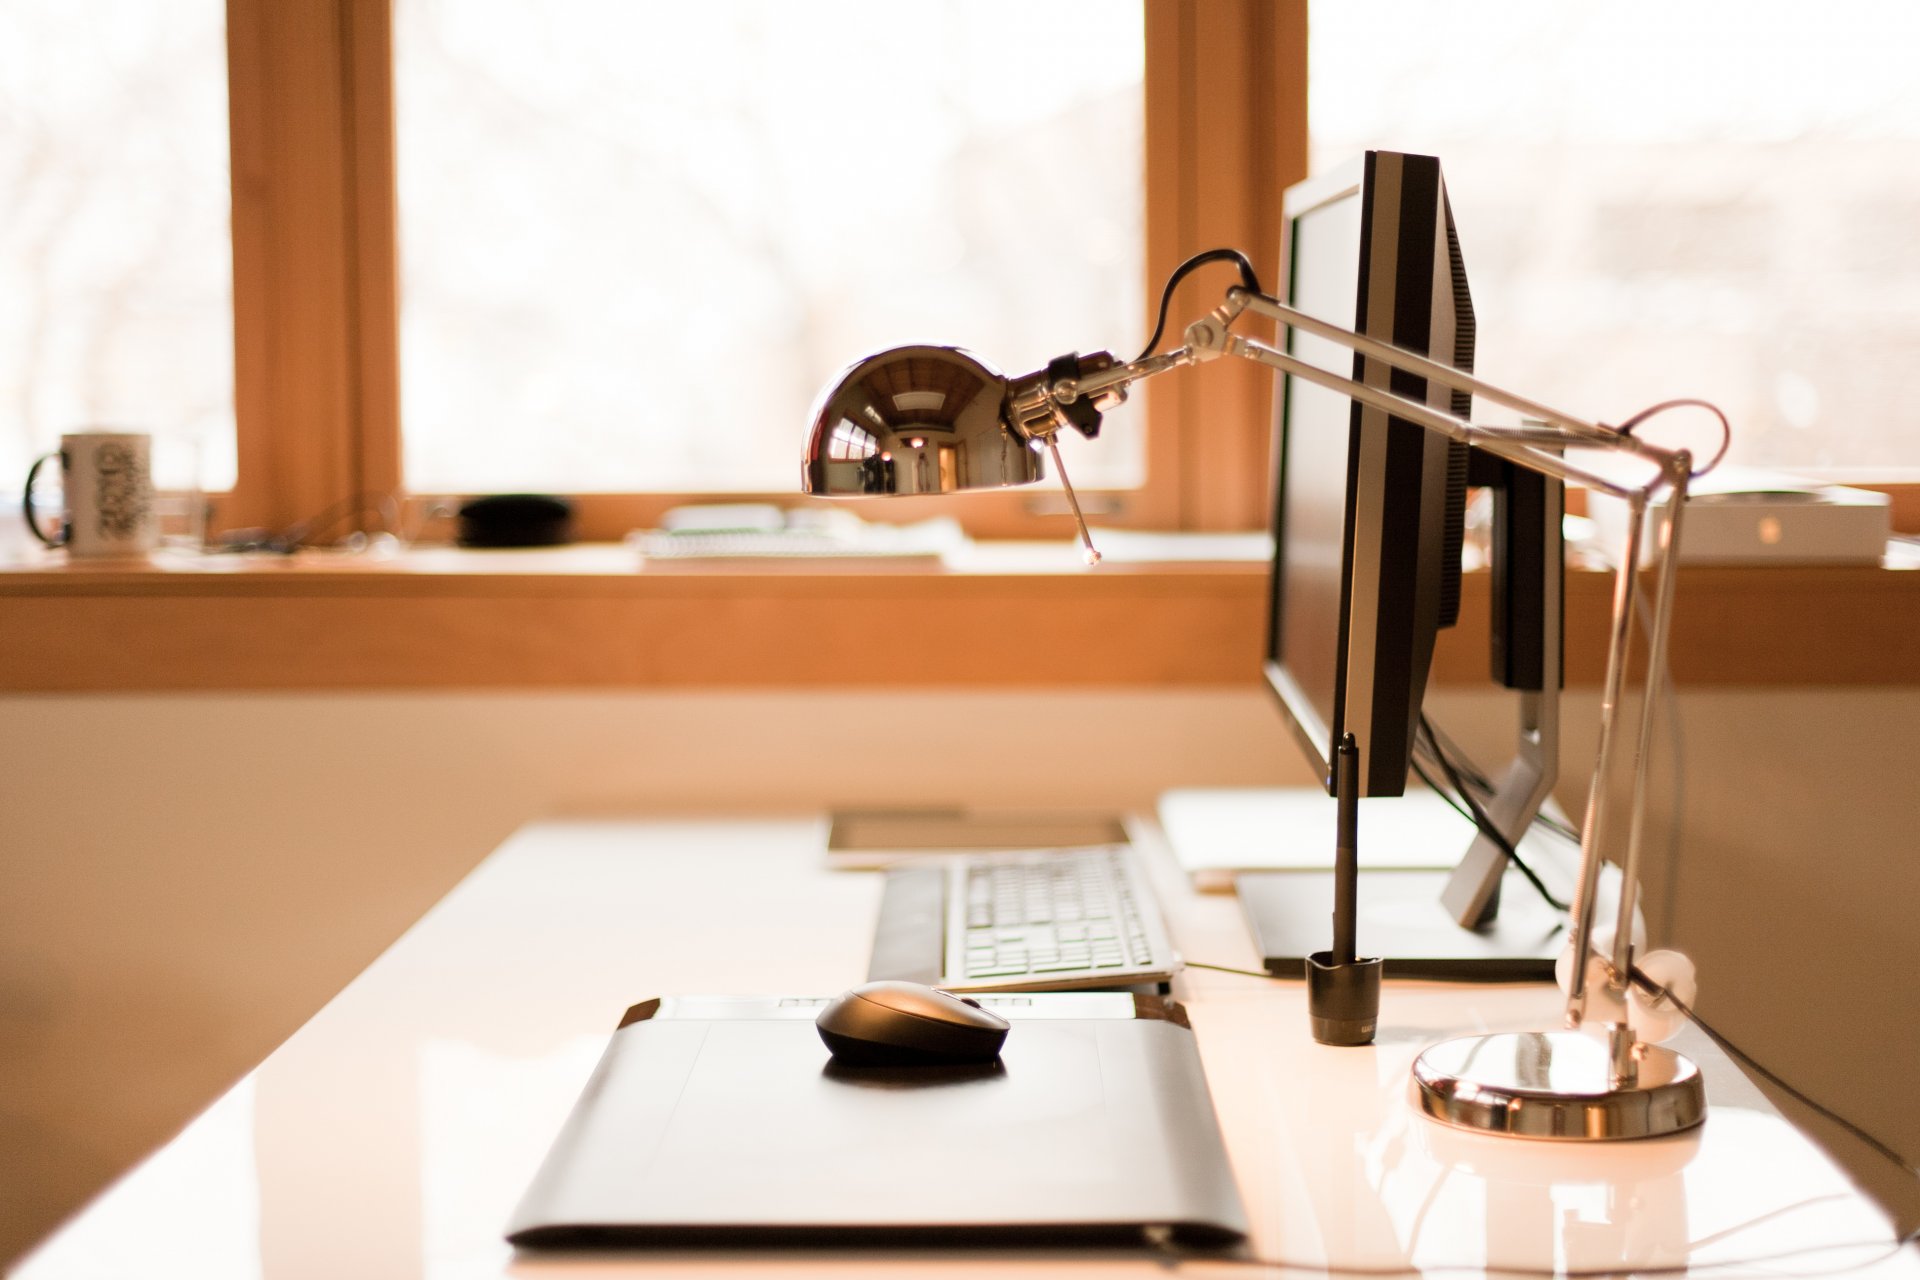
column 107, row 479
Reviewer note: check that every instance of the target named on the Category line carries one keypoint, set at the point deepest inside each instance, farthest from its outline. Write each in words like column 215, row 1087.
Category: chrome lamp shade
column 916, row 420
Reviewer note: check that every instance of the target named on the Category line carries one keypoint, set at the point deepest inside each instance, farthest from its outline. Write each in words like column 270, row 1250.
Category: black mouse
column 903, row 1024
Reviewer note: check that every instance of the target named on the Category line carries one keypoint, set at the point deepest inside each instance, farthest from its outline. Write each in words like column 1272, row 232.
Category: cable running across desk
column 1727, row 1046
column 1176, row 1259
column 1900, row 1162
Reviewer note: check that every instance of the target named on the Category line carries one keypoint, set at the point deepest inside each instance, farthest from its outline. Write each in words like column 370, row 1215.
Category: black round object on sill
column 516, row 520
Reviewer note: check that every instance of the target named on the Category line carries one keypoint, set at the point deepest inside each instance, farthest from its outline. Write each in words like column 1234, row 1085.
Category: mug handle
column 65, row 531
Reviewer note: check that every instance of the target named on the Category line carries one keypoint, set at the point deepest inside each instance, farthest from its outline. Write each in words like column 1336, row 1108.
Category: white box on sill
column 1738, row 515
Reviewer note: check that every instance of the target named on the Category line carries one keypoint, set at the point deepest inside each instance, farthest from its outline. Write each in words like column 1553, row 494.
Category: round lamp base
column 1557, row 1085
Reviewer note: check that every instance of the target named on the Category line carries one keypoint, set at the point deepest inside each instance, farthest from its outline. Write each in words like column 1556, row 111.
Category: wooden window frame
column 316, row 266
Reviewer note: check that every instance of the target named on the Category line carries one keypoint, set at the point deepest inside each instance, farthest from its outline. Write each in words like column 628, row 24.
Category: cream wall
column 189, row 878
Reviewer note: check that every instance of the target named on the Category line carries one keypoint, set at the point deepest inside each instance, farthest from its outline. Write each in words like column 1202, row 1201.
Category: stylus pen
column 1346, row 848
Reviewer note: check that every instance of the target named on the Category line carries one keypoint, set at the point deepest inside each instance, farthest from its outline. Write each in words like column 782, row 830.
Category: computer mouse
column 904, row 1024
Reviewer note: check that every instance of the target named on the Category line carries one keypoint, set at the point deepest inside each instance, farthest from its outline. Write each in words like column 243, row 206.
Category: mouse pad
column 726, row 1120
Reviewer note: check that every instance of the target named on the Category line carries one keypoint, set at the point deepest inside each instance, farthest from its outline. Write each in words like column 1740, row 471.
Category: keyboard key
column 1068, row 913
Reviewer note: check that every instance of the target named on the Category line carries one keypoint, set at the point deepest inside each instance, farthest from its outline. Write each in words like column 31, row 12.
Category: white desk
column 392, row 1135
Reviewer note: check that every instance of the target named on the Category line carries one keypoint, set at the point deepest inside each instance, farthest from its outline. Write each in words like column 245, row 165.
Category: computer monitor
column 1368, row 516
column 1368, row 508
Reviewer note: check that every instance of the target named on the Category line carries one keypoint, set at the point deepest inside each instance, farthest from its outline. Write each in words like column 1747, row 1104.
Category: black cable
column 1559, row 828
column 1436, row 737
column 1247, row 278
column 1174, row 1257
column 1466, row 766
column 1227, row 968
column 1479, row 779
column 1727, row 1046
column 1485, row 824
column 1436, row 742
column 1747, row 1060
column 1434, row 785
column 1640, row 979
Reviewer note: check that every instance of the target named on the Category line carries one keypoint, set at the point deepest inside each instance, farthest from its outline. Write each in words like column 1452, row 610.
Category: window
column 117, row 309
column 1658, row 200
column 318, row 272
column 1733, row 221
column 280, row 346
column 636, row 242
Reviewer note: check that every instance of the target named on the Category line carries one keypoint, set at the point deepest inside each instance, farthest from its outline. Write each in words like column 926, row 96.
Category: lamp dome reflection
column 915, row 420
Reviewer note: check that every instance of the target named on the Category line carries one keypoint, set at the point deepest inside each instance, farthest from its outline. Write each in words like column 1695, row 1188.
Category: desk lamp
column 933, row 419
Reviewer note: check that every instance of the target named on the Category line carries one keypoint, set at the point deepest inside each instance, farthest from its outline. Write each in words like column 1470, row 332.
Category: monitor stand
column 1480, row 921
column 1472, row 893
column 1528, row 651
column 1402, row 919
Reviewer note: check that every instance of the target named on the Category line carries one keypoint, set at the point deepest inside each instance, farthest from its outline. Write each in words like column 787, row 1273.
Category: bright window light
column 1715, row 199
column 637, row 238
column 117, row 307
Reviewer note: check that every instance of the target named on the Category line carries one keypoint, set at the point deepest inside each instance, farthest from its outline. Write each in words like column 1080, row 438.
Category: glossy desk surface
column 393, row 1134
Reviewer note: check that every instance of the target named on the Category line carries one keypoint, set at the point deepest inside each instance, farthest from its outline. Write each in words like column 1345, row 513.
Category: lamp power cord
column 1174, row 1256
column 1248, row 279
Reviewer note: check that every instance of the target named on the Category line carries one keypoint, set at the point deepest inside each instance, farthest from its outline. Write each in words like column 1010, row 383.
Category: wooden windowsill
column 591, row 617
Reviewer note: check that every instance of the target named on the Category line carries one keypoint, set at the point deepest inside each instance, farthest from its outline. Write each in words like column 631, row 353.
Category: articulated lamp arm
column 1044, row 404
column 933, row 419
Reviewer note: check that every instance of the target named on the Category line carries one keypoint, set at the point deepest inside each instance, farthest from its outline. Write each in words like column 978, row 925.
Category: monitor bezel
column 1397, row 617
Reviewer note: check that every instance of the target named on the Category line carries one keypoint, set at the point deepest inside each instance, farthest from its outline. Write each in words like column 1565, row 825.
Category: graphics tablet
column 724, row 1120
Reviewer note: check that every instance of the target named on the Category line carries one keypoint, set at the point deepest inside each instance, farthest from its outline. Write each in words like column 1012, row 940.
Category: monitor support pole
column 1472, row 892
